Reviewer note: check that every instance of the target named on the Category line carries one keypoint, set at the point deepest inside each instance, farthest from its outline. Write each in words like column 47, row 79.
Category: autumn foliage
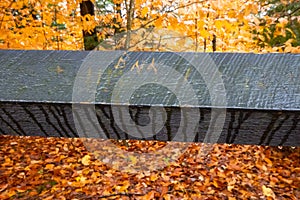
column 224, row 26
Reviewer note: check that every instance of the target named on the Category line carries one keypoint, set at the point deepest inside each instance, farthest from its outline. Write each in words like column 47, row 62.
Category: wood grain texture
column 256, row 127
column 262, row 95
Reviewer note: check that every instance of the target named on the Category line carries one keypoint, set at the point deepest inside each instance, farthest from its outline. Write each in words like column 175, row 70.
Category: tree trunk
column 90, row 38
column 214, row 43
column 130, row 11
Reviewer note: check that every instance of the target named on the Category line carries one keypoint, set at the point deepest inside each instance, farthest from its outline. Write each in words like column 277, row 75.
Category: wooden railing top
column 40, row 92
column 251, row 81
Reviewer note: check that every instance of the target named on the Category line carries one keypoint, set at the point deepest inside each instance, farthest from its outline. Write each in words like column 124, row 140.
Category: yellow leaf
column 204, row 33
column 289, row 30
column 11, row 193
column 21, row 190
column 230, row 187
column 59, row 70
column 144, row 11
column 218, row 24
column 268, row 192
column 262, row 38
column 86, row 160
column 124, row 186
column 133, row 159
column 77, row 178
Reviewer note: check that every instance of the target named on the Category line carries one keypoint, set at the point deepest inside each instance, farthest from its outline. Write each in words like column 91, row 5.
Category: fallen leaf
column 150, row 195
column 268, row 161
column 164, row 190
column 153, row 177
column 59, row 70
column 268, row 192
column 123, row 187
column 49, row 197
column 8, row 162
column 227, row 171
column 86, row 160
column 133, row 159
column 230, row 187
column 3, row 187
column 49, row 166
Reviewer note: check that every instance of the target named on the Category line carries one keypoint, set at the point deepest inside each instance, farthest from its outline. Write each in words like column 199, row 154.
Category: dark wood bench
column 233, row 97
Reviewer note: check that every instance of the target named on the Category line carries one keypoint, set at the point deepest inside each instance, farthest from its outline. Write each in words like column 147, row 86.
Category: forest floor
column 63, row 168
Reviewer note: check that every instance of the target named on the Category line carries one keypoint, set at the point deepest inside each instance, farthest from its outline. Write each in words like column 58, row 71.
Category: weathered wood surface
column 262, row 96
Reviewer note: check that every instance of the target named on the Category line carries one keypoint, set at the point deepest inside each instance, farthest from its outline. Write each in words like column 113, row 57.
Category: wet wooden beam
column 85, row 94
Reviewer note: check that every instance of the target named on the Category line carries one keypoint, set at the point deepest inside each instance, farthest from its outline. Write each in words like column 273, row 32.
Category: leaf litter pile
column 72, row 168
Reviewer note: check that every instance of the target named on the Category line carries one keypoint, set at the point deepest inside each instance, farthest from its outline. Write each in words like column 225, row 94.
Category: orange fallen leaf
column 7, row 162
column 21, row 190
column 288, row 181
column 95, row 175
column 3, row 187
column 49, row 166
column 153, row 177
column 49, row 197
column 150, row 195
column 164, row 190
column 9, row 193
column 77, row 184
column 268, row 161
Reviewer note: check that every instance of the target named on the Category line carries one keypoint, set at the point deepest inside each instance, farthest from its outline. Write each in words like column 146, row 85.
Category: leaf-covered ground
column 61, row 168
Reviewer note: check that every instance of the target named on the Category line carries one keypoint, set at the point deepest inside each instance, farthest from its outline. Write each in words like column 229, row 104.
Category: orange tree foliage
column 185, row 25
column 228, row 21
column 212, row 25
column 40, row 24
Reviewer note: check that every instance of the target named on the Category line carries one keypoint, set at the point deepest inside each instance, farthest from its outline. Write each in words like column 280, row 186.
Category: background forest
column 150, row 25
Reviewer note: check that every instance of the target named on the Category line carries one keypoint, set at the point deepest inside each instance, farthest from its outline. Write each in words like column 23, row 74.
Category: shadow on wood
column 262, row 96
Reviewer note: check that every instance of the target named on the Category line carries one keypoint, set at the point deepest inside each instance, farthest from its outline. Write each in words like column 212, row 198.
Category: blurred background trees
column 279, row 25
column 186, row 25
